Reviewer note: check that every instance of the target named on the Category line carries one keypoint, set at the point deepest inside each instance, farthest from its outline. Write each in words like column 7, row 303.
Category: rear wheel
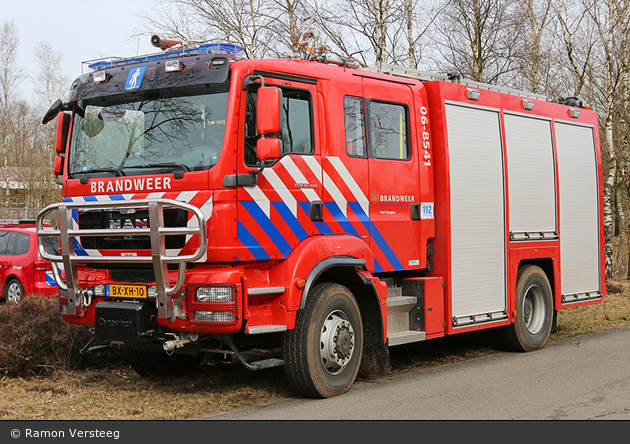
column 149, row 363
column 534, row 311
column 13, row 290
column 322, row 353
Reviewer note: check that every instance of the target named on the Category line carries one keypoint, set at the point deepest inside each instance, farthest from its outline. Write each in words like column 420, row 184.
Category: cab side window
column 296, row 129
column 388, row 131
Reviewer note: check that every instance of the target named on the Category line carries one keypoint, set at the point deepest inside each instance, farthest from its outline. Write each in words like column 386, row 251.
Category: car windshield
column 150, row 132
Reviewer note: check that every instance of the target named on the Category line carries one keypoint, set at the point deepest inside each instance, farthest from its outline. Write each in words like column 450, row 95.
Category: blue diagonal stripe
column 376, row 236
column 251, row 243
column 268, row 227
column 291, row 220
column 306, row 206
column 341, row 219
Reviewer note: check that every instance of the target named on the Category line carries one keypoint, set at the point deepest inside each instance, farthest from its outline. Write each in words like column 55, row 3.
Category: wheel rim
column 13, row 292
column 534, row 309
column 336, row 342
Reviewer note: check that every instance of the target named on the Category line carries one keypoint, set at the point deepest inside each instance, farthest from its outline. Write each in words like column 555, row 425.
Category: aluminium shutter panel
column 531, row 176
column 477, row 210
column 579, row 208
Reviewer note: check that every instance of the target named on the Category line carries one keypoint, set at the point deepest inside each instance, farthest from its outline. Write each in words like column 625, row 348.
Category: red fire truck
column 213, row 204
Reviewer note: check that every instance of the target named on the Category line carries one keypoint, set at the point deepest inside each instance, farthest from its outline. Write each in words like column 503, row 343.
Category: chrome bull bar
column 69, row 231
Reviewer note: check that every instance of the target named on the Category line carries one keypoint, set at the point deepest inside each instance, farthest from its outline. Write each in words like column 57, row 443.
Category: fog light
column 152, row 292
column 173, row 66
column 473, row 94
column 100, row 76
column 214, row 294
column 213, row 316
column 99, row 290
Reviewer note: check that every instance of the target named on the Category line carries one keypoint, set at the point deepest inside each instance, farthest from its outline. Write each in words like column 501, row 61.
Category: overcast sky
column 81, row 29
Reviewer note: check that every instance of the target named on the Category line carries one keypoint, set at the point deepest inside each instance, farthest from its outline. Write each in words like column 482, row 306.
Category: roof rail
column 424, row 76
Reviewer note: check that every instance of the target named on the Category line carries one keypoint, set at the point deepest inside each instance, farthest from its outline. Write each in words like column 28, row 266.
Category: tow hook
column 179, row 342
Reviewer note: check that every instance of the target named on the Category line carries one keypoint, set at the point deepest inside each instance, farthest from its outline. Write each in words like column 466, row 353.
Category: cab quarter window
column 296, row 131
column 354, row 120
column 388, row 131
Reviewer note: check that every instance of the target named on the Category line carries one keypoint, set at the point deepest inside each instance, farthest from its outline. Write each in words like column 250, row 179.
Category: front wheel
column 323, row 352
column 534, row 311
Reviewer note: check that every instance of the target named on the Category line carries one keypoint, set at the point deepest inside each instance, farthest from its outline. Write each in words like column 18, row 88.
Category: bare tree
column 419, row 19
column 579, row 38
column 361, row 23
column 11, row 74
column 479, row 38
column 594, row 36
column 262, row 28
column 50, row 81
column 538, row 67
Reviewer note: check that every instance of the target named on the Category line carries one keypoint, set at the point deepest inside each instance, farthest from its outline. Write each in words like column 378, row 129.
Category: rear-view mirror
column 268, row 105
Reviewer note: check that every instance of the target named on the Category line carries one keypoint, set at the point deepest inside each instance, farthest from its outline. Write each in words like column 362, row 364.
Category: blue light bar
column 229, row 49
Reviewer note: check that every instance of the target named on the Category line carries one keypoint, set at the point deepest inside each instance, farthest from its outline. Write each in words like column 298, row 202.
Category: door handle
column 415, row 211
column 317, row 211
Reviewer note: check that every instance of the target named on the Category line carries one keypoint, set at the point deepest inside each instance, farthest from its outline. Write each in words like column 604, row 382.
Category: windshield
column 149, row 132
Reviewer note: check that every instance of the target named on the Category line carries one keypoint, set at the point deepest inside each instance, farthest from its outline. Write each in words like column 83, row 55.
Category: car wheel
column 13, row 291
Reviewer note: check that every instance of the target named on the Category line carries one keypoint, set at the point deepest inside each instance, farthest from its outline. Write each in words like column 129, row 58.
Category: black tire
column 323, row 352
column 534, row 312
column 13, row 290
column 149, row 363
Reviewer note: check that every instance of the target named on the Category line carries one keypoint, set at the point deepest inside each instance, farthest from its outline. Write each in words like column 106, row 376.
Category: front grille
column 111, row 219
column 133, row 275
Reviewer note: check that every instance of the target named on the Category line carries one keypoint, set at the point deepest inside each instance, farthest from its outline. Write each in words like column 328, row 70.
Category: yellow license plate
column 126, row 291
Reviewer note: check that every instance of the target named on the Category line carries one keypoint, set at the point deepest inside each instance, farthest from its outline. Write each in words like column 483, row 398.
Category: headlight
column 214, row 294
column 212, row 305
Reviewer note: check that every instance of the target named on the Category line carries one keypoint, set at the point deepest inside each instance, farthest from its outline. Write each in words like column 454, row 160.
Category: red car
column 22, row 270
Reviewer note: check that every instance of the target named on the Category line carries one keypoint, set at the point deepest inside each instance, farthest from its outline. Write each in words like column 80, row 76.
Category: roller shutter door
column 477, row 212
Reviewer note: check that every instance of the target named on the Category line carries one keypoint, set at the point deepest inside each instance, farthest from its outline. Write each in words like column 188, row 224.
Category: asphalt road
column 576, row 379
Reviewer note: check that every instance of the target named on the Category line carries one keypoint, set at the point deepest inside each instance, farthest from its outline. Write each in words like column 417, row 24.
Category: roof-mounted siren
column 165, row 43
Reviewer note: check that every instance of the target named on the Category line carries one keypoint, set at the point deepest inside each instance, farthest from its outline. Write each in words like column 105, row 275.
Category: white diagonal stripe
column 186, row 196
column 280, row 188
column 329, row 185
column 260, row 198
column 298, row 177
column 351, row 183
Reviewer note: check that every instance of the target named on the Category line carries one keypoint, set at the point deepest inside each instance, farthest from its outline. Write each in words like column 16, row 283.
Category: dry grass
column 614, row 312
column 115, row 391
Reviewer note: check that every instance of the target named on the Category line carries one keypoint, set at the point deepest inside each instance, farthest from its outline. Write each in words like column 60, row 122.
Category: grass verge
column 112, row 390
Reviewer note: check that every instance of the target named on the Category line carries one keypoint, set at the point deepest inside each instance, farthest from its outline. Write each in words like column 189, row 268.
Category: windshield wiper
column 181, row 166
column 114, row 170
